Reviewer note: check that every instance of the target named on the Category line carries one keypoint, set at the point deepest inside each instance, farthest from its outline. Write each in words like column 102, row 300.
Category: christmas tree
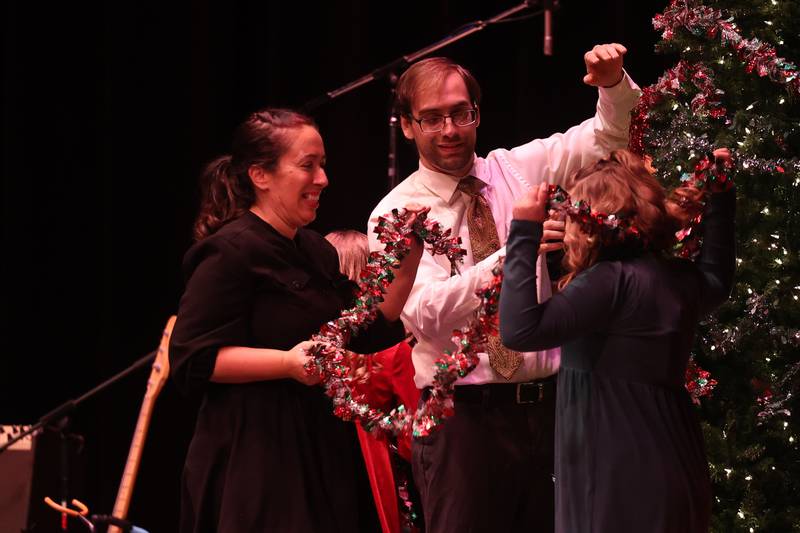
column 736, row 84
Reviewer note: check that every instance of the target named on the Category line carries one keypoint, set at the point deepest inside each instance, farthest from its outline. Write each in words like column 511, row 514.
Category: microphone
column 548, row 27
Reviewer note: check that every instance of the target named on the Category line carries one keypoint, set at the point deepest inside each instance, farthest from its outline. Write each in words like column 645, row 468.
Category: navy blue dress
column 629, row 450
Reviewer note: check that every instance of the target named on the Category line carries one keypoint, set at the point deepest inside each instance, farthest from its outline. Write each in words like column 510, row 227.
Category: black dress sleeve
column 213, row 312
column 717, row 260
column 585, row 305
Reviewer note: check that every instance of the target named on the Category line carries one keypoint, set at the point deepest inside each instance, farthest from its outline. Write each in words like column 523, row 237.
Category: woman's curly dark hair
column 227, row 191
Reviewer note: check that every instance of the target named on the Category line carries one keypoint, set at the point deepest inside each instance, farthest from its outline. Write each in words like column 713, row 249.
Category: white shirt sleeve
column 440, row 303
column 556, row 158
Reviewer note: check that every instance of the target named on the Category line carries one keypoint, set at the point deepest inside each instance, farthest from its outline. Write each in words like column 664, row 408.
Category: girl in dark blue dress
column 629, row 451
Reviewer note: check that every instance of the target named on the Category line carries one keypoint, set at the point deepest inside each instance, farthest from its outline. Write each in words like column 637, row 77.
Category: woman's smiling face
column 295, row 185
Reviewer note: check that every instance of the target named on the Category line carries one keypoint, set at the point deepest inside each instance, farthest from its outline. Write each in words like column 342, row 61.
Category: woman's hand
column 724, row 163
column 531, row 206
column 242, row 364
column 722, row 156
column 295, row 361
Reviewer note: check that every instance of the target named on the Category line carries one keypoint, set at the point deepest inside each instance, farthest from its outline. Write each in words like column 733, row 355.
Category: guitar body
column 158, row 376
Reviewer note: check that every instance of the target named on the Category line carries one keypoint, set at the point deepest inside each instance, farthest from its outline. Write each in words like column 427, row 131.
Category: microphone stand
column 394, row 126
column 58, row 420
column 391, row 69
column 62, row 411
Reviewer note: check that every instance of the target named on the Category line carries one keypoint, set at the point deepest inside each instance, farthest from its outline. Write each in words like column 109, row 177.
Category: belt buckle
column 538, row 399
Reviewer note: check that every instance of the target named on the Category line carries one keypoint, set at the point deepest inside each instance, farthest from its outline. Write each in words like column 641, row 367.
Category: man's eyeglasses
column 434, row 123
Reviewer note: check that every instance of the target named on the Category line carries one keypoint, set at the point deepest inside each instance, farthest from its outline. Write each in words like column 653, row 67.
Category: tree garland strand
column 758, row 56
column 708, row 101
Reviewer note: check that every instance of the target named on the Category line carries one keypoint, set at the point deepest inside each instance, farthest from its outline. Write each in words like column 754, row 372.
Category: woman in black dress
column 267, row 452
column 629, row 450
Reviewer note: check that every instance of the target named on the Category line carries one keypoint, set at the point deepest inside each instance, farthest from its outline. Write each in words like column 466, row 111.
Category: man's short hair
column 429, row 73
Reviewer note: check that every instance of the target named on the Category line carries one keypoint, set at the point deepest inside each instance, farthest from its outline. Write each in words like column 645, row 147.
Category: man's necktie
column 484, row 240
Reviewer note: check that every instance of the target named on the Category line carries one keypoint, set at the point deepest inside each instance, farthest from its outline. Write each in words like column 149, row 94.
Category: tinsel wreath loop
column 707, row 175
column 621, row 229
column 334, row 364
column 700, row 20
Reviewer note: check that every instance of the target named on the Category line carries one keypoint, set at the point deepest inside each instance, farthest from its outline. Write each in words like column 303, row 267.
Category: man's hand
column 415, row 254
column 553, row 234
column 604, row 65
column 531, row 206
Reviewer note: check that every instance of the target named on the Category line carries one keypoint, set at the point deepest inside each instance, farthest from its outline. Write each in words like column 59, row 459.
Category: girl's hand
column 531, row 206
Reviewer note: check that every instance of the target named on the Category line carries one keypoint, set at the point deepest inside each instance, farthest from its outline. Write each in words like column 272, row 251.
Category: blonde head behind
column 353, row 250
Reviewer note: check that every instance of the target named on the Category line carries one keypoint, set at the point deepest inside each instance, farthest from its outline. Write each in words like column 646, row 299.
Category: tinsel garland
column 334, row 364
column 678, row 140
column 706, row 176
column 708, row 101
column 761, row 165
column 702, row 20
column 592, row 222
column 756, row 322
column 408, row 513
column 771, row 406
column 757, row 314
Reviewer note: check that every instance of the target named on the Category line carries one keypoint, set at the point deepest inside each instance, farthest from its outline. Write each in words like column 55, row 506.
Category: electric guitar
column 158, row 376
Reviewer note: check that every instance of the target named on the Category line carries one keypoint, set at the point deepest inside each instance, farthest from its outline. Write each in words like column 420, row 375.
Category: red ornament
column 698, row 381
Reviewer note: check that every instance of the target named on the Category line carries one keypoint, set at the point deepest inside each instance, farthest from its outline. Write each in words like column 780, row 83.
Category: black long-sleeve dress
column 629, row 451
column 267, row 456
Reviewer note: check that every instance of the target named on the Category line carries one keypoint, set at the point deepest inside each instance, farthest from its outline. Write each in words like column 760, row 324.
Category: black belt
column 528, row 392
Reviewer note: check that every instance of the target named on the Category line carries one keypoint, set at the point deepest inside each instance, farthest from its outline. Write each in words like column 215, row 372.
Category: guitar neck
column 158, row 376
column 125, row 491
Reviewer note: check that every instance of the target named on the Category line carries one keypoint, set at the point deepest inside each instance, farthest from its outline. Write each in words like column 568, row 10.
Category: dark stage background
column 110, row 113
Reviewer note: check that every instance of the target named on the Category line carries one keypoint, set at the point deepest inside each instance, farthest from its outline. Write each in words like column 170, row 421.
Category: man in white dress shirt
column 489, row 467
